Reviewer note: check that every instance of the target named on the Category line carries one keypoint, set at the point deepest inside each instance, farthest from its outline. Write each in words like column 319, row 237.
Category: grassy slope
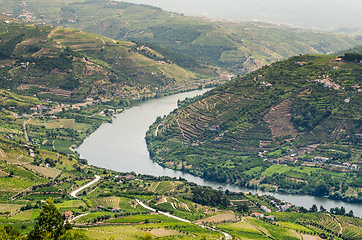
column 68, row 64
column 238, row 46
column 293, row 113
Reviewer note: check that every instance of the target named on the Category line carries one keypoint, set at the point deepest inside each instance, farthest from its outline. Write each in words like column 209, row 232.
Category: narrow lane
column 75, row 192
column 27, row 138
column 226, row 235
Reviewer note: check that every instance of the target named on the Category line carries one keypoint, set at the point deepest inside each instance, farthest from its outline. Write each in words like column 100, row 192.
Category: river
column 120, row 146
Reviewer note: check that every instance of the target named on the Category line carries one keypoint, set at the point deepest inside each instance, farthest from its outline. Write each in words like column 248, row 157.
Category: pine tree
column 50, row 224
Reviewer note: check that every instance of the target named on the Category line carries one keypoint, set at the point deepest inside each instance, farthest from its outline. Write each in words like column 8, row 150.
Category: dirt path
column 339, row 224
column 155, row 187
column 2, row 153
column 260, row 230
column 179, row 126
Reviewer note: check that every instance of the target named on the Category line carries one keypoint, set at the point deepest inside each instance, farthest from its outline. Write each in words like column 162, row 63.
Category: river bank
column 121, row 146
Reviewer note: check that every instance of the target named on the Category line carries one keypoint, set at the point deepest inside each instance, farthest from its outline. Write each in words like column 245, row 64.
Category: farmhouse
column 354, row 166
column 257, row 214
column 265, row 209
column 320, row 159
column 68, row 215
column 128, row 177
column 116, row 209
column 214, row 128
column 270, row 218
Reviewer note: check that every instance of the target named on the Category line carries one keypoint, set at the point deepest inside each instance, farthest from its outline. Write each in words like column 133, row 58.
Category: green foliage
column 7, row 47
column 240, row 47
column 64, row 65
column 352, row 57
column 50, row 224
column 219, row 135
column 209, row 196
column 9, row 232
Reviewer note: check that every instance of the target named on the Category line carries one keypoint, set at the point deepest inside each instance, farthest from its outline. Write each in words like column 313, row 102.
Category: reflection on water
column 120, row 146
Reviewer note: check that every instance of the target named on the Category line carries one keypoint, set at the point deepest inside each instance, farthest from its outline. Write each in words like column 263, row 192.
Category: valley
column 92, row 145
column 238, row 47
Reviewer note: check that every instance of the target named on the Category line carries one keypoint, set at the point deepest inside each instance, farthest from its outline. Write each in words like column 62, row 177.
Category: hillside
column 293, row 126
column 357, row 49
column 71, row 65
column 108, row 209
column 317, row 14
column 239, row 47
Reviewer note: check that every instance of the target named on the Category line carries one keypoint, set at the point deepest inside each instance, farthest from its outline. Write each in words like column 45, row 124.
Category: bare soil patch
column 279, row 118
column 220, row 218
column 310, row 237
column 161, row 232
column 47, row 172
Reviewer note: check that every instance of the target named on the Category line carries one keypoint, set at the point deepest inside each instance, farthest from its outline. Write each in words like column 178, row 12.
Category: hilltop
column 237, row 46
column 70, row 65
column 293, row 126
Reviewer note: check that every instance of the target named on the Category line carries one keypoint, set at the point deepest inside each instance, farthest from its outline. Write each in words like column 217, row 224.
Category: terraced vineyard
column 69, row 65
column 274, row 115
column 237, row 46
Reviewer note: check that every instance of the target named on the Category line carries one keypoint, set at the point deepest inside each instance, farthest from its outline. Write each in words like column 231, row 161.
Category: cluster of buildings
column 346, row 165
column 282, row 208
column 261, row 215
column 39, row 108
column 226, row 77
column 326, row 81
column 357, row 87
column 266, row 84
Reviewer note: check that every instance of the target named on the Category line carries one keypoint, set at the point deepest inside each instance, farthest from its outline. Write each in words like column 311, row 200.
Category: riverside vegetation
column 293, row 126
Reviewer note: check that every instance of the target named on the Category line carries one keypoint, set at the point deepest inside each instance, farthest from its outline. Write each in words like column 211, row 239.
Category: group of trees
column 209, row 196
column 336, row 210
column 352, row 57
column 49, row 226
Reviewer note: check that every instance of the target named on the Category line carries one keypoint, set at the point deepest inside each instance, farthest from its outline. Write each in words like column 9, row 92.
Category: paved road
column 226, row 235
column 79, row 216
column 27, row 138
column 75, row 192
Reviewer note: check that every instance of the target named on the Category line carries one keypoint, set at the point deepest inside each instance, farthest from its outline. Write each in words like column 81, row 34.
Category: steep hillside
column 240, row 47
column 70, row 65
column 302, row 114
column 357, row 49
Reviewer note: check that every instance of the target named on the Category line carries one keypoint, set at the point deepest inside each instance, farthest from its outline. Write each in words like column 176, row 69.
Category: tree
column 9, row 232
column 322, row 209
column 321, row 190
column 350, row 214
column 303, row 209
column 50, row 224
column 242, row 207
column 314, row 208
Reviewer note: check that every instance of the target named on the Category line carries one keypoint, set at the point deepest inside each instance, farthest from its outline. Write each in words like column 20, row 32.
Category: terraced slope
column 289, row 113
column 65, row 64
column 240, row 47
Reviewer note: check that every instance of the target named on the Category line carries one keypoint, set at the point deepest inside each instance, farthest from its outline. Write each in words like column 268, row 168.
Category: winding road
column 226, row 235
column 75, row 192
